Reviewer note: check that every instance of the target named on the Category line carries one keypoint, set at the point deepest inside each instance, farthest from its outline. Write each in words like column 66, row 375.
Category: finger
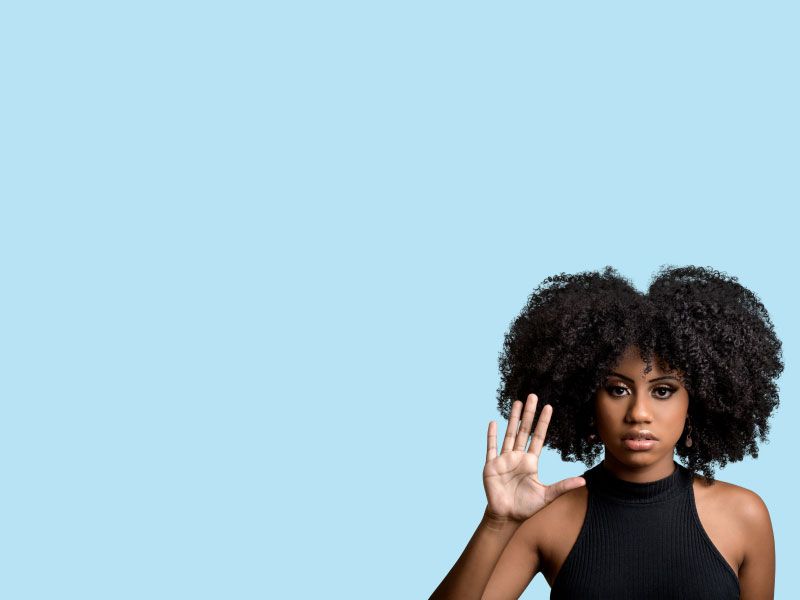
column 511, row 429
column 527, row 421
column 541, row 430
column 491, row 442
column 563, row 486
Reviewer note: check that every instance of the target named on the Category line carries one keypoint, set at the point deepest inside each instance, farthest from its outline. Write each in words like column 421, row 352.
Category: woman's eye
column 665, row 390
column 662, row 392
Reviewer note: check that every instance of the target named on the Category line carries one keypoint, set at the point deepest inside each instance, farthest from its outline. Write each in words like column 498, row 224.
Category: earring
column 592, row 437
column 689, row 435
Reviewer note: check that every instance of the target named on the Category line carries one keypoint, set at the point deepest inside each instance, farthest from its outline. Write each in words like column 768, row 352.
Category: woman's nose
column 640, row 409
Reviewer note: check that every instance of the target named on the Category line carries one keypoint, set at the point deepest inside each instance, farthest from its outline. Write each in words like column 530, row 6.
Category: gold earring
column 689, row 435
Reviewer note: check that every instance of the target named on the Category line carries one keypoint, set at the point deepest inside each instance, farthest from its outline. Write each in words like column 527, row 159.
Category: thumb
column 564, row 486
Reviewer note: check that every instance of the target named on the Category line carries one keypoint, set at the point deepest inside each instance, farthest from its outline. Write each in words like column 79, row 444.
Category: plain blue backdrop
column 258, row 260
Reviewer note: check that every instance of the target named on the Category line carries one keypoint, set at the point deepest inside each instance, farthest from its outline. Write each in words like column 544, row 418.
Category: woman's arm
column 469, row 576
column 757, row 571
column 515, row 494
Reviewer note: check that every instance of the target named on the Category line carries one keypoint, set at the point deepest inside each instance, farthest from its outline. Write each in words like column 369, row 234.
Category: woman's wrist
column 499, row 522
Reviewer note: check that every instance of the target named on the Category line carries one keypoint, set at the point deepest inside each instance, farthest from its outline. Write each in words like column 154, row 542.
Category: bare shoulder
column 743, row 503
column 546, row 528
column 750, row 508
column 561, row 505
column 737, row 510
column 755, row 538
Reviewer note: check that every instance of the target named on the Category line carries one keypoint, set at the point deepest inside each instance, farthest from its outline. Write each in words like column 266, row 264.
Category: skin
column 547, row 518
column 632, row 401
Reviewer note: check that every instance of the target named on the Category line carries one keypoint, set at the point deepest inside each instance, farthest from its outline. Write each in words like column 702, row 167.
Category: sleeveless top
column 643, row 540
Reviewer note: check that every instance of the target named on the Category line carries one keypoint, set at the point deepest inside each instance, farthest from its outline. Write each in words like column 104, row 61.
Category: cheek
column 680, row 406
column 609, row 412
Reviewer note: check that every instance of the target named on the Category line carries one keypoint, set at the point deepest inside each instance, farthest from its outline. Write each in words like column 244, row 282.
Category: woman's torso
column 558, row 533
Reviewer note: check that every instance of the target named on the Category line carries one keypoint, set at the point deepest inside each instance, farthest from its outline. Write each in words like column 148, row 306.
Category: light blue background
column 258, row 260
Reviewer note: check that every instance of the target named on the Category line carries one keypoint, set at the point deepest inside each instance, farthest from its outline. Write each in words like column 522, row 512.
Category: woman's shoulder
column 738, row 514
column 744, row 503
column 725, row 489
column 550, row 525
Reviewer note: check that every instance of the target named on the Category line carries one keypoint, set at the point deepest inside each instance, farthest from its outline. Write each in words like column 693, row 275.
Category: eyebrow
column 621, row 376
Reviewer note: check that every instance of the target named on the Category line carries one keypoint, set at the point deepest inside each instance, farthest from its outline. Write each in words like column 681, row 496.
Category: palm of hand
column 511, row 479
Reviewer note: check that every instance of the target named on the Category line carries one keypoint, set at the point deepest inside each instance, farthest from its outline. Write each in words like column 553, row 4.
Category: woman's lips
column 639, row 444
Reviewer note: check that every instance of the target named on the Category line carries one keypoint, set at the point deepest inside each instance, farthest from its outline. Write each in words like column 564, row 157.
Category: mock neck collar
column 605, row 483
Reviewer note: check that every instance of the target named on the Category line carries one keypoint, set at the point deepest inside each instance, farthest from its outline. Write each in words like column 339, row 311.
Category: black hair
column 694, row 320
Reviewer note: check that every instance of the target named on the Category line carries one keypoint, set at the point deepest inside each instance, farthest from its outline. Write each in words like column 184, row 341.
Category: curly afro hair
column 694, row 320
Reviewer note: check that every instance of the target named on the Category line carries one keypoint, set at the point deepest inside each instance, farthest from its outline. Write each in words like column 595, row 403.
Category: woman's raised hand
column 511, row 479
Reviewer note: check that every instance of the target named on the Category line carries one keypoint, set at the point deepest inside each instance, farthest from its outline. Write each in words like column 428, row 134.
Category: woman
column 689, row 369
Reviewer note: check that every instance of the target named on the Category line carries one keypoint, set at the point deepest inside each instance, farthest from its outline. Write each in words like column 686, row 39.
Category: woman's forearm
column 469, row 576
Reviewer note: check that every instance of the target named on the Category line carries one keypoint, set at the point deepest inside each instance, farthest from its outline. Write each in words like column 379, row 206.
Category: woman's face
column 632, row 401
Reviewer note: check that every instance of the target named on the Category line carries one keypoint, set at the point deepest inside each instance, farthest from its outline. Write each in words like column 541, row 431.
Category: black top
column 643, row 540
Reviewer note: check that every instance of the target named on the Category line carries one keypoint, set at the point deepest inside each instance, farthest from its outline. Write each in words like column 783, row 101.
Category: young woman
column 687, row 369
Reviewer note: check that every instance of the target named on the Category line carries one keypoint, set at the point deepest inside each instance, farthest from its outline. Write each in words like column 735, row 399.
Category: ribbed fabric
column 643, row 540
